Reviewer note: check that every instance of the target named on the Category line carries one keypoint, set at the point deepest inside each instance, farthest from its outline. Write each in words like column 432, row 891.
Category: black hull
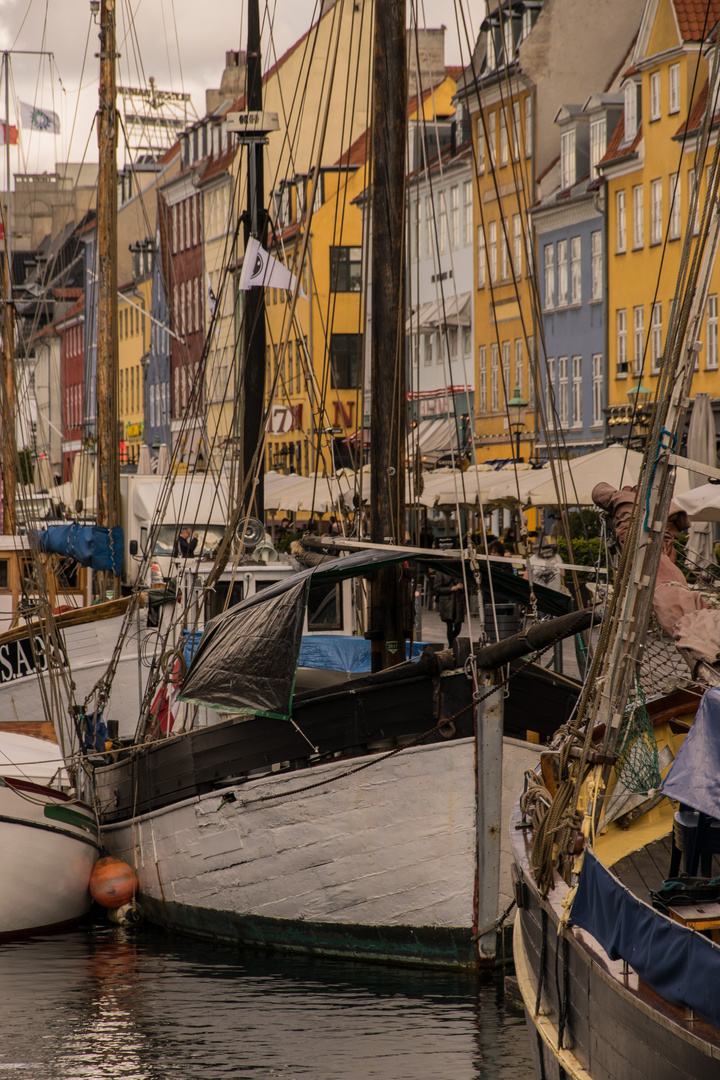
column 614, row 1026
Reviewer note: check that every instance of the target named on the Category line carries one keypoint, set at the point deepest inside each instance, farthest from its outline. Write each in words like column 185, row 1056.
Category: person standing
column 450, row 595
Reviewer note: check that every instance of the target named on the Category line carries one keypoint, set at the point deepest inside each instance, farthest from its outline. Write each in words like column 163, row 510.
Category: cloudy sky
column 181, row 43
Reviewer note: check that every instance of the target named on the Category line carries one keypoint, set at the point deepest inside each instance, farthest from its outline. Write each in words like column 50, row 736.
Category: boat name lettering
column 19, row 659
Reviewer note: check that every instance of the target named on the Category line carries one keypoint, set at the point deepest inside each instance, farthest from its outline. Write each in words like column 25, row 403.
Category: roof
column 697, row 112
column 218, row 165
column 358, row 152
column 617, row 150
column 696, row 18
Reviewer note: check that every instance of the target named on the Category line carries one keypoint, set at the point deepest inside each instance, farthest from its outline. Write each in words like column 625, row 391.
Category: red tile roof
column 696, row 18
column 615, row 149
column 218, row 165
column 697, row 112
column 358, row 152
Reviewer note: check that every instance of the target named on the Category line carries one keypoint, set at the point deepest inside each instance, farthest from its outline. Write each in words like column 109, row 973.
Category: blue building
column 570, row 225
column 157, row 381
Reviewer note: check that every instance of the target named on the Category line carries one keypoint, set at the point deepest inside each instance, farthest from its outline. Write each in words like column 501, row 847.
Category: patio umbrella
column 614, row 465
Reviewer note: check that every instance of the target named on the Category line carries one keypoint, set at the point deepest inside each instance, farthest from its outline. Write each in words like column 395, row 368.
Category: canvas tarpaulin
column 682, row 966
column 694, row 777
column 88, row 545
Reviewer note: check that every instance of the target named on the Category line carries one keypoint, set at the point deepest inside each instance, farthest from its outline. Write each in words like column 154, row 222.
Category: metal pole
column 489, row 752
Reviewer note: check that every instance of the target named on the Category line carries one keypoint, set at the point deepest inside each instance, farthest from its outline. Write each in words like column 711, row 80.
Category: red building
column 72, row 377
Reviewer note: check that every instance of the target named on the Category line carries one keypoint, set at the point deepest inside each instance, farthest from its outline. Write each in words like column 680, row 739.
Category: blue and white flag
column 39, row 119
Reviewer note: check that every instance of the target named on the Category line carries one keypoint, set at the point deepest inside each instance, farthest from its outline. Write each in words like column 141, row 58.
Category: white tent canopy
column 614, row 465
column 701, row 503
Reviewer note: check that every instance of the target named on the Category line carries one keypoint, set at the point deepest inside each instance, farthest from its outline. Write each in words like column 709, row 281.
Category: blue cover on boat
column 694, row 777
column 339, row 652
column 678, row 963
column 88, row 545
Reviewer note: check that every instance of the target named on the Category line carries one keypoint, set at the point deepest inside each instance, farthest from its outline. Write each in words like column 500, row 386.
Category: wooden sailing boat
column 616, row 952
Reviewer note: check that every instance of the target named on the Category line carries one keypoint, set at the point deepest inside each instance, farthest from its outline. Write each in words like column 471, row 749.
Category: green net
column 637, row 762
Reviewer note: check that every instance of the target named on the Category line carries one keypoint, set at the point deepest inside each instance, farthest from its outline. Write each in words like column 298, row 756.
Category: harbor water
column 105, row 1004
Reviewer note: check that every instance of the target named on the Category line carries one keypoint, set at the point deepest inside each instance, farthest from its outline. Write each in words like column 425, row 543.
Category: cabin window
column 346, row 269
column 4, row 574
column 325, row 608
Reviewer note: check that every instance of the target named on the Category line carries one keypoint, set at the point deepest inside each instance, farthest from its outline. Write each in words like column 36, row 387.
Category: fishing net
column 637, row 753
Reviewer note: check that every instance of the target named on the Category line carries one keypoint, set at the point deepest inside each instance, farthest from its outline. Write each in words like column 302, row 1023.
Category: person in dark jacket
column 450, row 596
column 186, row 544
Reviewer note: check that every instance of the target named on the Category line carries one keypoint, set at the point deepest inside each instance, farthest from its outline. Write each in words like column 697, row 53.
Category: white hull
column 381, row 864
column 90, row 645
column 47, row 858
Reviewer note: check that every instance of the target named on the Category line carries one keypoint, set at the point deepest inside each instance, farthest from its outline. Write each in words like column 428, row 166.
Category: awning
column 429, row 317
column 431, row 439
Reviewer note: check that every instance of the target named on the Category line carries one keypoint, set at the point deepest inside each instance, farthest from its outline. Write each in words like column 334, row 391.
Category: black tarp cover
column 247, row 656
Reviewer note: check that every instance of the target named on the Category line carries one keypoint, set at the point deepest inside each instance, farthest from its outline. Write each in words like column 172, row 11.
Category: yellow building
column 649, row 168
column 133, row 345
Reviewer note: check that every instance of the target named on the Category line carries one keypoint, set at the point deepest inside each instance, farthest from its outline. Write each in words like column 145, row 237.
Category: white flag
column 39, row 119
column 260, row 268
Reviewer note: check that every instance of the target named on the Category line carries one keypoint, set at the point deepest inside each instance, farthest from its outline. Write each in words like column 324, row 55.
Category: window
column 575, row 271
column 526, row 22
column 480, row 258
column 518, row 365
column 638, row 338
column 429, row 218
column 596, row 264
column 598, row 143
column 562, row 273
column 299, row 199
column 674, row 98
column 494, row 365
column 429, row 349
column 467, row 212
column 503, row 138
column 692, row 194
column 577, row 391
column 480, row 145
column 638, row 223
column 467, row 340
column 516, row 133
column 345, row 269
column 620, row 221
column 621, row 326
column 443, row 224
column 631, row 111
column 563, row 399
column 549, row 276
column 504, row 254
column 508, row 41
column 656, row 211
column 454, row 216
column 656, row 336
column 507, row 389
column 483, row 379
column 550, row 385
column 531, row 369
column 567, row 159
column 492, row 244
column 517, row 246
column 345, row 354
column 318, row 194
column 674, row 232
column 490, row 57
column 491, row 124
column 597, row 388
column 655, row 95
column 415, row 230
column 528, row 126
column 712, row 333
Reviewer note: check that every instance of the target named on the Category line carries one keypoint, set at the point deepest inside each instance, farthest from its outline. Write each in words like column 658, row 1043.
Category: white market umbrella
column 613, row 465
column 701, row 503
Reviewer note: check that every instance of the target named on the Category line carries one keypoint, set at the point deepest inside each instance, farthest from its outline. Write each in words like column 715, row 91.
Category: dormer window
column 632, row 111
column 655, row 95
column 674, row 82
column 299, row 199
column 526, row 23
column 567, row 159
column 490, row 57
column 508, row 41
column 598, row 142
column 285, row 205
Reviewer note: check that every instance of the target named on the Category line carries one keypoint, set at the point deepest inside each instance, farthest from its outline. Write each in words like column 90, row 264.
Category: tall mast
column 108, row 501
column 255, row 225
column 8, row 367
column 388, row 616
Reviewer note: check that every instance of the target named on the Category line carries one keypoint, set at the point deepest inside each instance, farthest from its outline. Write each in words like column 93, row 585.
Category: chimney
column 232, row 83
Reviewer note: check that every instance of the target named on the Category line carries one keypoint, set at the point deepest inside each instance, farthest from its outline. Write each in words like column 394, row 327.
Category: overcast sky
column 181, row 43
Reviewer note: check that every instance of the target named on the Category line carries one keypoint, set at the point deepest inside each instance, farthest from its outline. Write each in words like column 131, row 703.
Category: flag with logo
column 260, row 268
column 13, row 134
column 39, row 119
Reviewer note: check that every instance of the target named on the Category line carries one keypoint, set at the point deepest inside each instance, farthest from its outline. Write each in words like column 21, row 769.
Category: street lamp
column 516, row 409
column 639, row 397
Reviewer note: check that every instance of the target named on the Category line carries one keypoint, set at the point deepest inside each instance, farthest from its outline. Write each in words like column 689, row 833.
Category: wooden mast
column 108, row 495
column 255, row 225
column 388, row 615
column 8, row 333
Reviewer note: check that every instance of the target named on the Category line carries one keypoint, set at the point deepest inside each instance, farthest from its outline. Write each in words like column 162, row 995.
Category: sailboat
column 347, row 816
column 616, row 935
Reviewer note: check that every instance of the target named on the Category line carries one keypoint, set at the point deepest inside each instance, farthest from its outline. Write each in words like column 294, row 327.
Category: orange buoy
column 113, row 883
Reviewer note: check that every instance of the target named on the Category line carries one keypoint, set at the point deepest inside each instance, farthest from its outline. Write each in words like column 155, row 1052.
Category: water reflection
column 111, row 1004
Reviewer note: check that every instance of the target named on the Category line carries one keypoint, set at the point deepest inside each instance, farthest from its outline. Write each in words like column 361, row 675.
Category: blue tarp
column 694, row 777
column 681, row 965
column 88, row 545
column 339, row 652
column 336, row 652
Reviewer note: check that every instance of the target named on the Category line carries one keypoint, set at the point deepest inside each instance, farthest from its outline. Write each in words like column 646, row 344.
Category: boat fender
column 113, row 883
column 127, row 915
